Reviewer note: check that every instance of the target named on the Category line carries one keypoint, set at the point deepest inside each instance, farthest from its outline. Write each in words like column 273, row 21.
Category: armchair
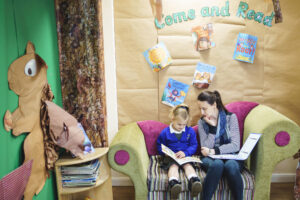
column 133, row 152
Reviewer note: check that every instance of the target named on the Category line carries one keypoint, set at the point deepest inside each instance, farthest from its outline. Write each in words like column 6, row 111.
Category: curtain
column 80, row 42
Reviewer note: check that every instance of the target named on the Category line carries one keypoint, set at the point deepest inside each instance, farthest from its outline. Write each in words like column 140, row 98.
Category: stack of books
column 81, row 175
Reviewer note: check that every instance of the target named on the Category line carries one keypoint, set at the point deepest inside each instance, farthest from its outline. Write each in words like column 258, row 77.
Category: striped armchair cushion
column 157, row 181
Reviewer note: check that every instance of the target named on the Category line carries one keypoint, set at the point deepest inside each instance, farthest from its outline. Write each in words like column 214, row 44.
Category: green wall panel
column 36, row 22
column 21, row 21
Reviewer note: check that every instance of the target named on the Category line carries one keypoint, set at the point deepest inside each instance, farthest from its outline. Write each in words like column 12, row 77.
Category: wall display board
column 272, row 79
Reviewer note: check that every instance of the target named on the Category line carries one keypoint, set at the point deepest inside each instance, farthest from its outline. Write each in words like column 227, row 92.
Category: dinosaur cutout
column 48, row 125
column 64, row 130
column 27, row 76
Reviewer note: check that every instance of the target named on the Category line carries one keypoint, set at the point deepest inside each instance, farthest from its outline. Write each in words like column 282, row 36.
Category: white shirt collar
column 172, row 130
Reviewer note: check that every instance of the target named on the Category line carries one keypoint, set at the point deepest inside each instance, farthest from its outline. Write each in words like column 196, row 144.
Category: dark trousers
column 215, row 169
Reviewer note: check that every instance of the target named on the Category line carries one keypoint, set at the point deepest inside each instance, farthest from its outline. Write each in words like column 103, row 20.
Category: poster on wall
column 174, row 93
column 203, row 75
column 202, row 37
column 158, row 57
column 245, row 48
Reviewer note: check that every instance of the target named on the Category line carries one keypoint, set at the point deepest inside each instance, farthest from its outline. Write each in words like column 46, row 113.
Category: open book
column 245, row 150
column 180, row 161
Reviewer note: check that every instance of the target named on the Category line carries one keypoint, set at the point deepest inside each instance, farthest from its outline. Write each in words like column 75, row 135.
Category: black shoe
column 195, row 186
column 175, row 188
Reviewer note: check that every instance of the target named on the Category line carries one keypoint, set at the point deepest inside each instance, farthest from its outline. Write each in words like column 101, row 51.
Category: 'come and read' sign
column 243, row 11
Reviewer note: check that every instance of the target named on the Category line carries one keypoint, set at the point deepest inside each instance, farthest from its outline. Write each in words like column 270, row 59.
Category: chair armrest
column 267, row 154
column 130, row 139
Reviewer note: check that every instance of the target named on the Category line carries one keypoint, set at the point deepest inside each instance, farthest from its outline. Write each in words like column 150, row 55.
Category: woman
column 219, row 134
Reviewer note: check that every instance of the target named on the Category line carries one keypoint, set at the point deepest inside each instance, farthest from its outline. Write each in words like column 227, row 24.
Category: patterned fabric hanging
column 80, row 42
column 277, row 9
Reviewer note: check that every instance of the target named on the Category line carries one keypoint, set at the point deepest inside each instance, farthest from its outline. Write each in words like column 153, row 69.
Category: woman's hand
column 206, row 151
column 180, row 154
column 210, row 120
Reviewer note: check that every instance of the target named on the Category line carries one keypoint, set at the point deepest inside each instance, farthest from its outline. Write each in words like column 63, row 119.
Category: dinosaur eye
column 30, row 68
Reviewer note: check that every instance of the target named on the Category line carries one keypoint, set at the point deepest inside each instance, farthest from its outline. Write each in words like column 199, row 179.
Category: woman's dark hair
column 211, row 98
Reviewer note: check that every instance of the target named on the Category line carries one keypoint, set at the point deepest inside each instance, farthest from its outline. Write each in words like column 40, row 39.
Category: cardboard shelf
column 104, row 179
column 67, row 160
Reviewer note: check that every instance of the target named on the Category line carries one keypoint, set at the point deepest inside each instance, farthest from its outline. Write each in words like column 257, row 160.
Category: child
column 182, row 140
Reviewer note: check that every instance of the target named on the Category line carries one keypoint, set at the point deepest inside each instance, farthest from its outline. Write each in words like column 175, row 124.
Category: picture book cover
column 203, row 75
column 174, row 93
column 158, row 57
column 202, row 37
column 245, row 48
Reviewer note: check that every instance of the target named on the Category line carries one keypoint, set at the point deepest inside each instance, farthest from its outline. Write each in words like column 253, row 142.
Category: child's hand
column 180, row 154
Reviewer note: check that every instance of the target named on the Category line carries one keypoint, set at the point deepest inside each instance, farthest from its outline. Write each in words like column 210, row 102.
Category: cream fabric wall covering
column 137, row 86
column 271, row 80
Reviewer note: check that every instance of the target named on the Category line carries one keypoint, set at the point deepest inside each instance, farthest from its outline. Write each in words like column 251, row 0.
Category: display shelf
column 102, row 188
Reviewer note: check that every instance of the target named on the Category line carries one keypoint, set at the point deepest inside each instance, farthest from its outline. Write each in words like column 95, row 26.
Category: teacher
column 219, row 134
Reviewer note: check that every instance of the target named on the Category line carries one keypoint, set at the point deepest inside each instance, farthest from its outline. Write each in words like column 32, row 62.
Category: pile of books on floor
column 81, row 175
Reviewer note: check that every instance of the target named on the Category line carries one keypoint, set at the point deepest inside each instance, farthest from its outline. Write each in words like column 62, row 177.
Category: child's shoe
column 175, row 188
column 195, row 186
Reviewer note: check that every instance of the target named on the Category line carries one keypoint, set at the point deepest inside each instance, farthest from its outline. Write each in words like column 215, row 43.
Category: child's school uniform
column 184, row 140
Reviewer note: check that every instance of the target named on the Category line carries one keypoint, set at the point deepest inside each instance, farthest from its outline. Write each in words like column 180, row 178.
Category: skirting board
column 283, row 177
column 276, row 178
column 121, row 181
